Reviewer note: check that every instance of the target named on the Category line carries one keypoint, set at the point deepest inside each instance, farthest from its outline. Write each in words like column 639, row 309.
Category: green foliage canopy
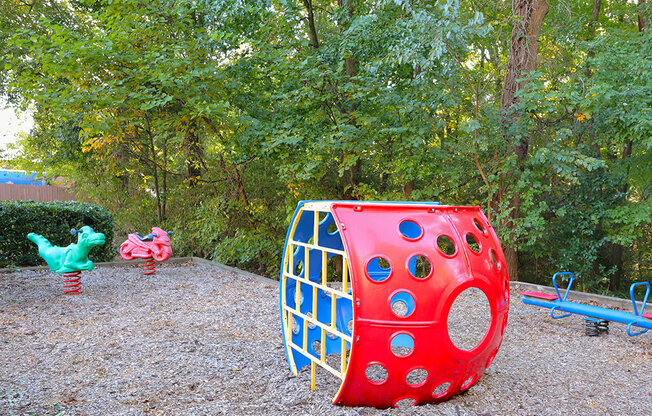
column 213, row 118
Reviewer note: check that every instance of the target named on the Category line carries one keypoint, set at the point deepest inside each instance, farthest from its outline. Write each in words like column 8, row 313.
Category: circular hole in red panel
column 467, row 383
column 446, row 245
column 410, row 230
column 479, row 226
column 402, row 345
column 494, row 259
column 376, row 373
column 441, row 390
column 472, row 242
column 378, row 269
column 404, row 403
column 416, row 377
column 402, row 304
column 419, row 266
column 469, row 319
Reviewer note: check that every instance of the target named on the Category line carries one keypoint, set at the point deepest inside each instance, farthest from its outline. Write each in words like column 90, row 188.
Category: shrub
column 53, row 220
column 251, row 251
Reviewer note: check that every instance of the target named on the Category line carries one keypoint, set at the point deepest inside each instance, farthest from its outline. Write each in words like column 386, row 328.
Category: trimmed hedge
column 53, row 220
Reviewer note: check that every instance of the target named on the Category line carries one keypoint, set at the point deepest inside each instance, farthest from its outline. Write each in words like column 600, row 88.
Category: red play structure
column 401, row 267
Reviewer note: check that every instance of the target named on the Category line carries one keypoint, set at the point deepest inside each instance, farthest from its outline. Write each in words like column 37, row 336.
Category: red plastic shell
column 159, row 248
column 370, row 230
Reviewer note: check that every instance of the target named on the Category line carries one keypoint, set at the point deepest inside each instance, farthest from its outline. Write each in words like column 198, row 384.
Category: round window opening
column 479, row 226
column 446, row 245
column 376, row 373
column 473, row 243
column 441, row 390
column 410, row 229
column 402, row 304
column 402, row 345
column 494, row 259
column 469, row 319
column 378, row 269
column 416, row 377
column 419, row 266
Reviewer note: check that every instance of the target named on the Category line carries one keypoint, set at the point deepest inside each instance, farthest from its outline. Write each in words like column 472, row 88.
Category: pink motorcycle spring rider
column 154, row 246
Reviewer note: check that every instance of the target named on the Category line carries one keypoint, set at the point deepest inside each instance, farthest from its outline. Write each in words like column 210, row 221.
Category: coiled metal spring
column 72, row 283
column 148, row 266
column 594, row 327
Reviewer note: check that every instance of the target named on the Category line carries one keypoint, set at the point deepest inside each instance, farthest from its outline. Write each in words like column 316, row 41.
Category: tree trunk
column 643, row 20
column 611, row 254
column 193, row 152
column 595, row 13
column 165, row 177
column 522, row 59
column 407, row 188
column 524, row 47
column 157, row 190
column 350, row 63
column 351, row 180
column 311, row 24
column 239, row 183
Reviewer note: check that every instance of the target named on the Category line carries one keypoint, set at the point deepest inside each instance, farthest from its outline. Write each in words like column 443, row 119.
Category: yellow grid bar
column 315, row 231
column 333, row 311
column 313, row 377
column 323, row 206
column 343, row 357
column 314, row 302
column 283, row 315
column 305, row 335
column 324, row 268
column 306, row 263
column 306, row 318
column 322, row 345
column 345, row 275
column 313, row 359
column 297, row 294
column 286, row 322
column 324, row 288
column 308, row 245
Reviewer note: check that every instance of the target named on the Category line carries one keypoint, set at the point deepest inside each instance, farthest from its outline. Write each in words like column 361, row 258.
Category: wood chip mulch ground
column 196, row 340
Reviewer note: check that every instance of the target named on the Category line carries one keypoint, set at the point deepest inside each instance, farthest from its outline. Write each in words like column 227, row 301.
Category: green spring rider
column 69, row 260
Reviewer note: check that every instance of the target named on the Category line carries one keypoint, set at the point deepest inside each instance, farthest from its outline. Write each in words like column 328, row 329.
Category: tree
column 523, row 58
column 215, row 117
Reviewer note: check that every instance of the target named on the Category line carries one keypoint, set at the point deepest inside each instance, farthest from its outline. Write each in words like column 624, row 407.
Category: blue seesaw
column 559, row 303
